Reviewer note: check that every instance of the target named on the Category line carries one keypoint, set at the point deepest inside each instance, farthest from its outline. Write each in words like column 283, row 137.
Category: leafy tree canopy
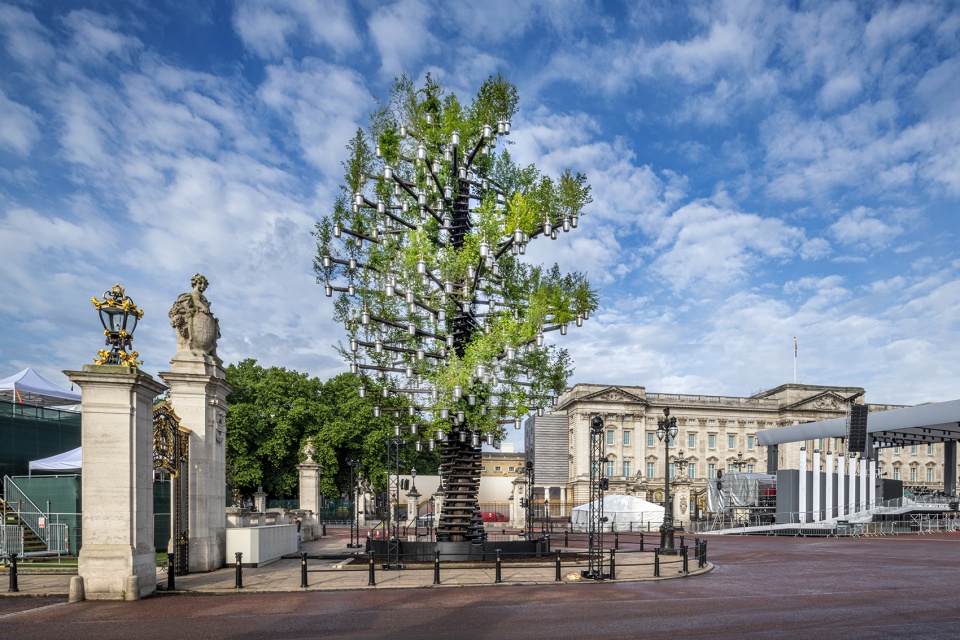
column 272, row 413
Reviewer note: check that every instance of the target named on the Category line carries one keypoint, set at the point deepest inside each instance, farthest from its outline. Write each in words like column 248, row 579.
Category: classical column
column 816, row 486
column 841, row 486
column 118, row 559
column 829, row 477
column 413, row 505
column 802, row 486
column 516, row 510
column 198, row 393
column 309, row 473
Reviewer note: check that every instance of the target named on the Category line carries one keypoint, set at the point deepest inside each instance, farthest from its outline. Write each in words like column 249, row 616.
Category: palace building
column 715, row 433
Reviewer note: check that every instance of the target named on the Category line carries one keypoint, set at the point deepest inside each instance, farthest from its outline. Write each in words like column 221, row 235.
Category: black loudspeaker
column 857, row 429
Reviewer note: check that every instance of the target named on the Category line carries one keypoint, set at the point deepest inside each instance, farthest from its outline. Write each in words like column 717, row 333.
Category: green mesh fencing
column 31, row 433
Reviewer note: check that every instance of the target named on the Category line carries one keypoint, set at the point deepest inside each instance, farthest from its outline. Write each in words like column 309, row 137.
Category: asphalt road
column 762, row 587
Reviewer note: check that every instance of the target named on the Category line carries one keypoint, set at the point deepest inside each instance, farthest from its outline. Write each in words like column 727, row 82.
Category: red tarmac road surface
column 762, row 587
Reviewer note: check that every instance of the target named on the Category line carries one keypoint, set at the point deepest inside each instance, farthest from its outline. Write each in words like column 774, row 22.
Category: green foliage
column 272, row 413
column 400, row 223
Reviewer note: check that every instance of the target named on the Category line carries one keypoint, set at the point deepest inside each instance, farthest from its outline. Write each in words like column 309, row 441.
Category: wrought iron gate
column 171, row 452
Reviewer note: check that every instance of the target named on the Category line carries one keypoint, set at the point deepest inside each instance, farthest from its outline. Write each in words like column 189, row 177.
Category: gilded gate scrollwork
column 171, row 452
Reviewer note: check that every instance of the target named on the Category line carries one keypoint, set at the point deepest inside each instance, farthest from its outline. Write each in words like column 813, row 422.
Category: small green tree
column 424, row 248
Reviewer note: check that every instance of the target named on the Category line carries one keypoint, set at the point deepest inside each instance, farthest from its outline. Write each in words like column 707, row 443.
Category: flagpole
column 794, row 359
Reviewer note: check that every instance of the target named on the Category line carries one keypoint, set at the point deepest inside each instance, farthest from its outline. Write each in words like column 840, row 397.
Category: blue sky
column 760, row 170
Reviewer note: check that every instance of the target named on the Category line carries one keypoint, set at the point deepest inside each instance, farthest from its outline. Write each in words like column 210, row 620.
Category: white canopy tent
column 68, row 462
column 29, row 387
column 623, row 513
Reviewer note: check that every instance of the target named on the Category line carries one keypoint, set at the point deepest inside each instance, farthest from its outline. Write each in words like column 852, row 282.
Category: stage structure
column 445, row 321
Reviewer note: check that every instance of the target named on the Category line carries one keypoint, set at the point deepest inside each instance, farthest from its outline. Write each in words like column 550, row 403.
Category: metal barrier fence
column 520, row 564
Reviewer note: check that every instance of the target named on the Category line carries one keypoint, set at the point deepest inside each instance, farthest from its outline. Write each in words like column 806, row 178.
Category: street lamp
column 353, row 463
column 666, row 431
column 119, row 316
column 739, row 464
column 680, row 463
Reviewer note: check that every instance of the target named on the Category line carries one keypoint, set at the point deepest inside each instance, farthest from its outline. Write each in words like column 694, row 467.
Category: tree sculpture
column 446, row 323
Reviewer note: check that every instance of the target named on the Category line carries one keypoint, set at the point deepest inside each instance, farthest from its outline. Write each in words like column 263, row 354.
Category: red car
column 493, row 516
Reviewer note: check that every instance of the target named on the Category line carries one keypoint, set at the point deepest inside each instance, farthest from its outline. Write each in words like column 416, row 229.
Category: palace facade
column 714, row 433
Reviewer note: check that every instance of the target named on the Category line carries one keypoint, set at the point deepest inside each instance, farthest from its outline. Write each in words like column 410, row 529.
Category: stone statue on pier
column 197, row 328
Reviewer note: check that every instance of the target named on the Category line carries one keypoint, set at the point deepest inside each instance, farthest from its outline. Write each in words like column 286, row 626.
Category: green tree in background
column 272, row 413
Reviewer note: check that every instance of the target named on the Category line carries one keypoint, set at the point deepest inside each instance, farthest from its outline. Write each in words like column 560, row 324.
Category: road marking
column 17, row 613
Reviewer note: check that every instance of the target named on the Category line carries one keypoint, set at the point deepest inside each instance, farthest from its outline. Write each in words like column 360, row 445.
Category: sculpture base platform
column 464, row 551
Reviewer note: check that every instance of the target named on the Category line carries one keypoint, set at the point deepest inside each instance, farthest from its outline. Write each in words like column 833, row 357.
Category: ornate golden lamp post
column 119, row 316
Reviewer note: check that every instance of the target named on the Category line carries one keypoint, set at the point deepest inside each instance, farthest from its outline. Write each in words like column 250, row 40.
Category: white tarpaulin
column 68, row 462
column 623, row 513
column 736, row 490
column 29, row 387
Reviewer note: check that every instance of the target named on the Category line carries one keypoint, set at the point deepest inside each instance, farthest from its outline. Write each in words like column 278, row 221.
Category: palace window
column 913, row 474
column 731, row 442
column 650, row 470
column 711, row 470
column 672, row 469
column 929, row 474
column 749, row 468
column 896, row 473
column 750, row 443
column 712, row 441
column 650, row 438
column 609, row 468
column 692, row 470
column 626, row 468
column 691, row 440
column 626, row 438
column 610, row 436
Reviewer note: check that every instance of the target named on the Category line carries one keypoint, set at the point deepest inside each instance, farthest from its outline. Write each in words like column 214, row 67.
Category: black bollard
column 641, row 541
column 171, row 563
column 613, row 564
column 703, row 554
column 372, row 582
column 497, row 578
column 323, row 530
column 559, row 579
column 436, row 567
column 566, row 538
column 696, row 548
column 656, row 562
column 239, row 584
column 681, row 541
column 303, row 570
column 616, row 540
column 13, row 588
column 686, row 565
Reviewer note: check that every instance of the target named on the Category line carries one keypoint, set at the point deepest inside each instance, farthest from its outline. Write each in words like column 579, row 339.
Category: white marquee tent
column 623, row 513
column 29, row 387
column 68, row 462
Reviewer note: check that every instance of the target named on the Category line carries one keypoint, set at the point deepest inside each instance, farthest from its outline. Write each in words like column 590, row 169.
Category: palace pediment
column 612, row 394
column 826, row 401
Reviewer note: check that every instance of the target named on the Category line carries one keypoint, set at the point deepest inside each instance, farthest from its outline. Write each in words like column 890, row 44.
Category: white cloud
column 18, row 126
column 26, row 39
column 704, row 245
column 401, row 35
column 325, row 104
column 270, row 27
column 861, row 228
column 97, row 38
